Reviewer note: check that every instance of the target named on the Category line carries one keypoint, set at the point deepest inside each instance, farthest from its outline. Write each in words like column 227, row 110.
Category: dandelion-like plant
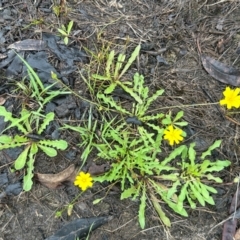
column 231, row 98
column 83, row 181
column 173, row 135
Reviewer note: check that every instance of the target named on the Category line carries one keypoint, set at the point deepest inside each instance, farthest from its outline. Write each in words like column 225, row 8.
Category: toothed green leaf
column 59, row 144
column 49, row 117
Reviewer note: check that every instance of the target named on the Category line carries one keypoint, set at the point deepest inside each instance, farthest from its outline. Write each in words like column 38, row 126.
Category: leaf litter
column 79, row 228
column 221, row 72
column 53, row 181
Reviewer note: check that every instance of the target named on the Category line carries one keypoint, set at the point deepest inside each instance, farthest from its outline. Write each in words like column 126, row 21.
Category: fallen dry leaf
column 54, row 180
column 96, row 170
column 28, row 44
column 221, row 72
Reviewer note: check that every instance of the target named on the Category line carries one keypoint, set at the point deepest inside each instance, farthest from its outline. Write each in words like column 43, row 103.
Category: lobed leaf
column 59, row 144
column 128, row 192
column 49, row 117
column 211, row 177
column 153, row 98
column 130, row 91
column 15, row 122
column 217, row 166
column 216, row 144
column 112, row 103
column 110, row 88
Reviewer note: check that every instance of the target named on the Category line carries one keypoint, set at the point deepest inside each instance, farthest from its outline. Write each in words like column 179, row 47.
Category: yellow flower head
column 83, row 180
column 173, row 135
column 231, row 98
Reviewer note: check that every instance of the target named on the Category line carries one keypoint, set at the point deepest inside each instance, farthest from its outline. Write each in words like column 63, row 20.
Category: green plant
column 87, row 133
column 31, row 125
column 65, row 31
column 132, row 142
column 135, row 164
column 113, row 73
column 35, row 90
column 192, row 175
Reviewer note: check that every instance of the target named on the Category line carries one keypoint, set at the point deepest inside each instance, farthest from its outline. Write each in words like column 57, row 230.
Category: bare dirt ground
column 168, row 31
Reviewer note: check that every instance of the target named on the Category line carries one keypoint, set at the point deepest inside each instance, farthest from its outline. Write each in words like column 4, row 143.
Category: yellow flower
column 173, row 135
column 231, row 98
column 83, row 180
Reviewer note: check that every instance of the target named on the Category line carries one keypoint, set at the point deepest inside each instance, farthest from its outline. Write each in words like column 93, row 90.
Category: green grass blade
column 120, row 60
column 39, row 82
